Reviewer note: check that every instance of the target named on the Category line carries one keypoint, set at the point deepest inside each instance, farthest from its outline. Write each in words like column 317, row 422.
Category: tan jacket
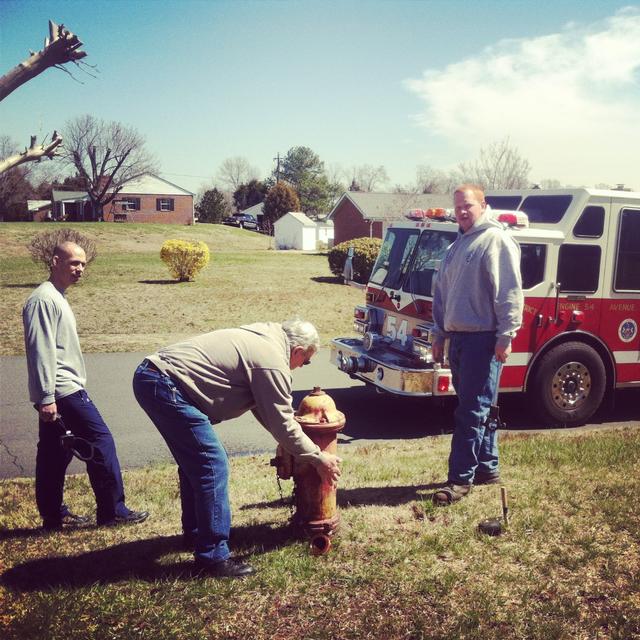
column 230, row 371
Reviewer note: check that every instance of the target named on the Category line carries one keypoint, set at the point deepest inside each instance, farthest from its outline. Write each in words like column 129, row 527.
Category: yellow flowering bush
column 184, row 258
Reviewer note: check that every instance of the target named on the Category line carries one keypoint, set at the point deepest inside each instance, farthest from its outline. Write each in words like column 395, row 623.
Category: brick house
column 366, row 215
column 150, row 198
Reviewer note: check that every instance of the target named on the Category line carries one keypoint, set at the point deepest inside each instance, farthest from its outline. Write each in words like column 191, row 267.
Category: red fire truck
column 580, row 270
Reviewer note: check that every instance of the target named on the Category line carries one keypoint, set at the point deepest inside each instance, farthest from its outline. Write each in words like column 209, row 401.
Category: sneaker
column 487, row 479
column 74, row 520
column 229, row 568
column 133, row 517
column 450, row 493
column 70, row 520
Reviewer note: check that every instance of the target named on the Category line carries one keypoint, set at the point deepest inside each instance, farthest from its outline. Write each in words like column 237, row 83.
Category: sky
column 392, row 83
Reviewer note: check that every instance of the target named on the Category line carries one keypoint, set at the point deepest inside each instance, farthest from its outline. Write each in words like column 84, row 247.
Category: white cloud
column 569, row 101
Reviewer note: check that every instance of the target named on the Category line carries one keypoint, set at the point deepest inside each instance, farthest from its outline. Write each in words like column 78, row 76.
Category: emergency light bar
column 512, row 218
column 435, row 213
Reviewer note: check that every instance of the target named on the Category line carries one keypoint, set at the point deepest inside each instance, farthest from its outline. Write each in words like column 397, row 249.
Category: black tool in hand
column 79, row 447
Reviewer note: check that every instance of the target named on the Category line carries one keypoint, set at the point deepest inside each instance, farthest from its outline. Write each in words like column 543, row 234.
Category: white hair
column 301, row 333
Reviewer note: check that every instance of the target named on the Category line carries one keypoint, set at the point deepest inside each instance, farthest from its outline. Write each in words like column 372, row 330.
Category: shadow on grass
column 28, row 285
column 137, row 560
column 361, row 496
column 10, row 534
column 327, row 279
column 159, row 281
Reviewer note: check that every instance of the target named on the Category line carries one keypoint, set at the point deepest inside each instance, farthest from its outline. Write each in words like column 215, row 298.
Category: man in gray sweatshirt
column 477, row 304
column 56, row 387
column 187, row 387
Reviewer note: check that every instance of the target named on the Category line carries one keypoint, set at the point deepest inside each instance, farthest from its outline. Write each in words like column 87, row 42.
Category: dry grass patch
column 128, row 301
column 568, row 566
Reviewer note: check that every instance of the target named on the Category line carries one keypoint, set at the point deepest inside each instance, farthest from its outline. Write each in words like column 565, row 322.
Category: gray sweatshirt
column 479, row 287
column 230, row 371
column 54, row 359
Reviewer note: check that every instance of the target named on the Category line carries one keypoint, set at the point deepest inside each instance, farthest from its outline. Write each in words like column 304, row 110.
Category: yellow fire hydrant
column 316, row 515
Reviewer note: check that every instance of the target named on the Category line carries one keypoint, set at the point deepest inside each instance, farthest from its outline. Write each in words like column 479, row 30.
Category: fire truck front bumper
column 389, row 370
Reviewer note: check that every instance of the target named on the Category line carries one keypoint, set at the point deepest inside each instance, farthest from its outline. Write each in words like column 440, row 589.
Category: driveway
column 370, row 416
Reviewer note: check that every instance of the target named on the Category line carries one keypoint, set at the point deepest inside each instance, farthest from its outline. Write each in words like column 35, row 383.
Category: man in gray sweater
column 187, row 387
column 478, row 305
column 57, row 379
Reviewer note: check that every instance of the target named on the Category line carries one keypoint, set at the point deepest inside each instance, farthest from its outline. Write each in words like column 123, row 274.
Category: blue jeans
column 203, row 466
column 475, row 372
column 83, row 419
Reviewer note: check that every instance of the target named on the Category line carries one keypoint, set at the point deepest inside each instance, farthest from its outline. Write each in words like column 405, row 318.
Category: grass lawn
column 568, row 566
column 129, row 303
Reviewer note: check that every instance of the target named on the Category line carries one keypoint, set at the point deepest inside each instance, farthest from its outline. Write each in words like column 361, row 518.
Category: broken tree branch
column 34, row 153
column 60, row 47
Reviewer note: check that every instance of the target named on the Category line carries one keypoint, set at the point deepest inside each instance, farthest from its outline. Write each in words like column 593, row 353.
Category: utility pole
column 277, row 159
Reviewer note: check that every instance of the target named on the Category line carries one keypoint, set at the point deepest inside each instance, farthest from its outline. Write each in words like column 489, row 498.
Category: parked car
column 242, row 220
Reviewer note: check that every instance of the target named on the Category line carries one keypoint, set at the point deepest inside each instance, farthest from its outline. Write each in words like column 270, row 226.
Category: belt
column 149, row 365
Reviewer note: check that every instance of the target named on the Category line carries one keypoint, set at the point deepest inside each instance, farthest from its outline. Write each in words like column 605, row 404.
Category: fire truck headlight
column 422, row 350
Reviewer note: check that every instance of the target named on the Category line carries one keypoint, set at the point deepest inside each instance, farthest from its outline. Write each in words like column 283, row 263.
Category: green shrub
column 364, row 257
column 184, row 258
column 42, row 245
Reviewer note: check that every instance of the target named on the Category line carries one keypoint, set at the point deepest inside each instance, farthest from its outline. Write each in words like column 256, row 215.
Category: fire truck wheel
column 569, row 384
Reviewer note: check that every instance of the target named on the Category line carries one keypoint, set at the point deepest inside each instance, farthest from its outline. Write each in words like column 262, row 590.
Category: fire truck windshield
column 428, row 255
column 394, row 257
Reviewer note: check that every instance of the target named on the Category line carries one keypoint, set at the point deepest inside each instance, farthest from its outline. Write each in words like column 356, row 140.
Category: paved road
column 370, row 416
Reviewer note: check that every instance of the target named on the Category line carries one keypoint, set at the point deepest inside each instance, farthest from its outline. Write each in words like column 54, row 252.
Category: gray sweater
column 479, row 287
column 230, row 371
column 54, row 359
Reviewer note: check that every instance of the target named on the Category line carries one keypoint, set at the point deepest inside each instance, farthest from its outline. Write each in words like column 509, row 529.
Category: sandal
column 450, row 493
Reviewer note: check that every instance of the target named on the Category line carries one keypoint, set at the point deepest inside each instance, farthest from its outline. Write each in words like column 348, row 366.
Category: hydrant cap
column 318, row 407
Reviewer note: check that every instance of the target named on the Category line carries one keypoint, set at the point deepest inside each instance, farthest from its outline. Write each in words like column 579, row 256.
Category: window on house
column 628, row 267
column 131, row 204
column 164, row 204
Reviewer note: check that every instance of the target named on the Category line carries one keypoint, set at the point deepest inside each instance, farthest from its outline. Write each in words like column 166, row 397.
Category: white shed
column 294, row 230
column 324, row 234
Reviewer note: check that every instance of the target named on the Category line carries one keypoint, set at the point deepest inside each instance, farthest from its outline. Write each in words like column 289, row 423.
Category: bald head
column 66, row 248
column 67, row 264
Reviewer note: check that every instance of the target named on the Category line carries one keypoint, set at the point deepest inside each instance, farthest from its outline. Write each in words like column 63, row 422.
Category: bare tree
column 430, row 180
column 61, row 47
column 15, row 188
column 106, row 155
column 404, row 188
column 236, row 171
column 550, row 183
column 369, row 177
column 499, row 166
column 337, row 175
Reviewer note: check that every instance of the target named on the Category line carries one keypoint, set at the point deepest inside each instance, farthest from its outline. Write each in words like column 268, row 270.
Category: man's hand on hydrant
column 328, row 468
